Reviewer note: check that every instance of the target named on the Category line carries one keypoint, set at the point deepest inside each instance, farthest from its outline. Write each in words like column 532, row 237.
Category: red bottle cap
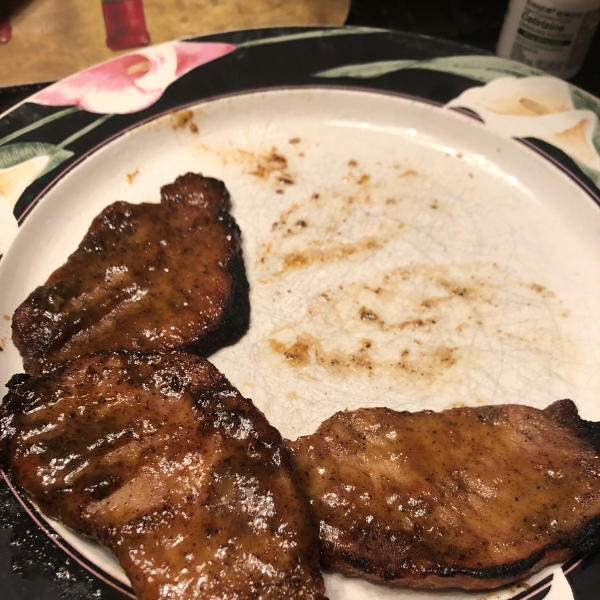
column 125, row 24
column 5, row 30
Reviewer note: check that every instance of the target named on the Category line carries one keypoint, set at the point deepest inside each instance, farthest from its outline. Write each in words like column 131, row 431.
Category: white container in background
column 552, row 35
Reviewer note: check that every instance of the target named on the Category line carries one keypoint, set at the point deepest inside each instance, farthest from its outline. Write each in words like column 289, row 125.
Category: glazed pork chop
column 469, row 497
column 145, row 277
column 161, row 460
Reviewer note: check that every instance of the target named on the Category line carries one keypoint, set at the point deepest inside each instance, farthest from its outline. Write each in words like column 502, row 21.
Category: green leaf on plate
column 479, row 68
column 18, row 153
column 584, row 101
column 370, row 70
column 319, row 33
column 39, row 123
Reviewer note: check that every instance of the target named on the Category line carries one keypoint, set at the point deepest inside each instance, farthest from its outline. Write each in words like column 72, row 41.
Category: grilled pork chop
column 145, row 277
column 469, row 497
column 161, row 460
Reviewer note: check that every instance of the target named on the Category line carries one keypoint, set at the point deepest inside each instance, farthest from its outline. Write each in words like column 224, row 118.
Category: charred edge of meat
column 565, row 412
column 17, row 380
column 586, row 540
column 14, row 383
column 211, row 193
column 235, row 319
column 194, row 188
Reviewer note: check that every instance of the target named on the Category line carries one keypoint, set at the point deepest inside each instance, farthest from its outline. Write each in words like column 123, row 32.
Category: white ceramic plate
column 399, row 254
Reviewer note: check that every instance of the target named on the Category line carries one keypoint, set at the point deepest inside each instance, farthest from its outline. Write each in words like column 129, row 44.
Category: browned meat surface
column 145, row 277
column 469, row 497
column 164, row 462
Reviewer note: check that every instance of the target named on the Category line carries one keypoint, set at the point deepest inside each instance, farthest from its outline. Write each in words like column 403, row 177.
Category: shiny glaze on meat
column 161, row 460
column 468, row 497
column 145, row 277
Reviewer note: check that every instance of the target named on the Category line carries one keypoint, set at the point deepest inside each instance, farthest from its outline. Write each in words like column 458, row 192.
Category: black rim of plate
column 35, row 562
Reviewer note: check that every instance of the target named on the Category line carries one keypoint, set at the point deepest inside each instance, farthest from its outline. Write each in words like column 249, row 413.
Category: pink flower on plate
column 131, row 82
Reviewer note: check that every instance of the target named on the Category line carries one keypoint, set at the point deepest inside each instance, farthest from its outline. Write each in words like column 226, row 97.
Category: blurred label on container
column 548, row 34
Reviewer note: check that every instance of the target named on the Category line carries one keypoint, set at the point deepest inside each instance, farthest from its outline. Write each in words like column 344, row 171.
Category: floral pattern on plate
column 126, row 84
column 513, row 100
column 516, row 101
column 131, row 82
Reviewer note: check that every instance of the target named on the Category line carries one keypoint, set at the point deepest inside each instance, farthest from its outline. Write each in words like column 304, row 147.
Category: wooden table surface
column 50, row 39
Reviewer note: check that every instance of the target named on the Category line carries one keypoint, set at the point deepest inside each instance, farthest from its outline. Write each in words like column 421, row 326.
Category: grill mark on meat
column 161, row 460
column 145, row 277
column 469, row 497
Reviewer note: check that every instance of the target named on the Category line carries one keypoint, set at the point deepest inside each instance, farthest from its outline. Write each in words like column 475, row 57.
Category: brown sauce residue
column 307, row 350
column 182, row 119
column 332, row 253
column 349, row 223
column 130, row 177
column 298, row 354
column 269, row 166
column 540, row 290
column 417, row 323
